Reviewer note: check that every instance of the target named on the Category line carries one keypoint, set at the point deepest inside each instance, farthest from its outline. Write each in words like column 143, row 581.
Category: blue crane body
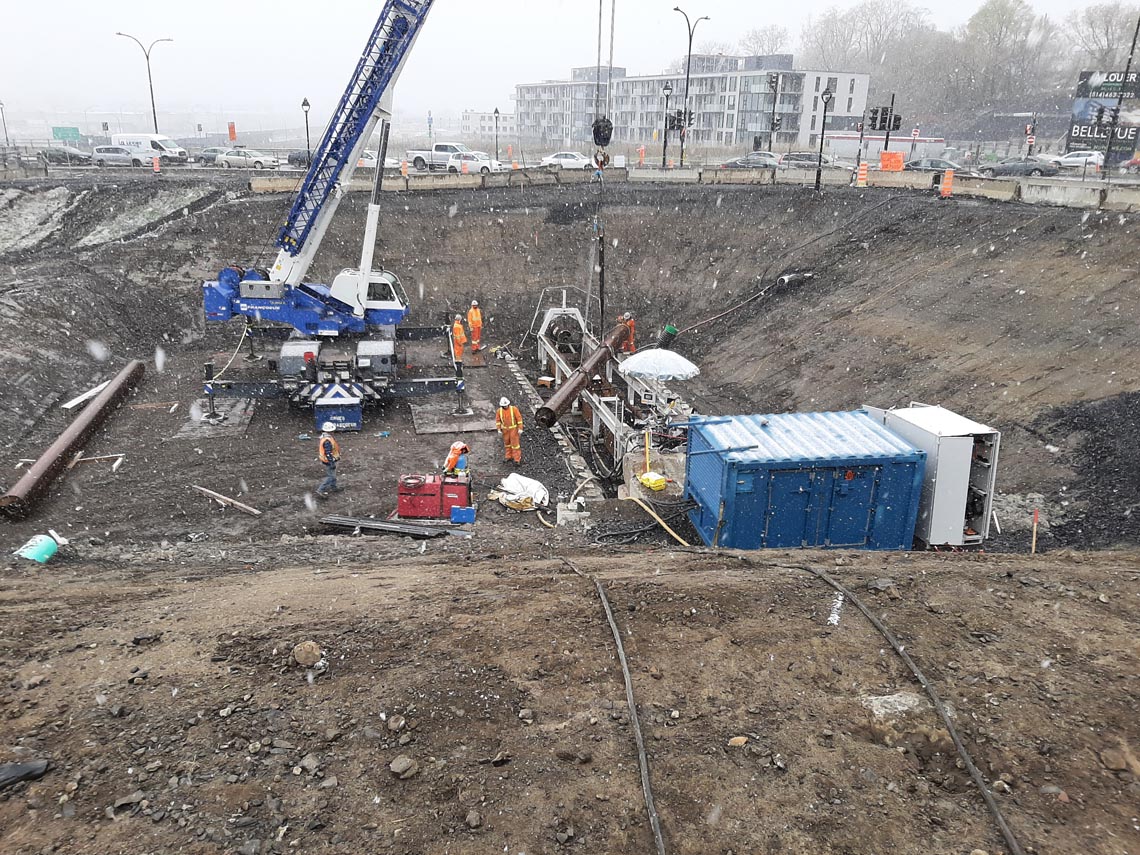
column 359, row 314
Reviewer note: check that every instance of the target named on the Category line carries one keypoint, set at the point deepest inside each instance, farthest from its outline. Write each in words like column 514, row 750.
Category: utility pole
column 4, row 121
column 496, row 133
column 774, row 85
column 862, row 129
column 890, row 121
column 692, row 28
column 1119, row 102
column 150, row 80
column 666, row 91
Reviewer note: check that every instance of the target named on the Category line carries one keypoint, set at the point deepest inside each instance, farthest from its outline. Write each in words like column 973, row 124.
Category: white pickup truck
column 436, row 157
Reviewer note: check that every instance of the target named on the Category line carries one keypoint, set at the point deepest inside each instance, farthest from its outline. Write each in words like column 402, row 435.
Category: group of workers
column 508, row 422
column 459, row 334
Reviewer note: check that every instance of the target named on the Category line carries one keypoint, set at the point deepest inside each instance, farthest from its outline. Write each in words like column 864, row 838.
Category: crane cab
column 379, row 298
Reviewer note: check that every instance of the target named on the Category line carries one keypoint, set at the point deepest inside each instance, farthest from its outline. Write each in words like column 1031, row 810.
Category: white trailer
column 961, row 471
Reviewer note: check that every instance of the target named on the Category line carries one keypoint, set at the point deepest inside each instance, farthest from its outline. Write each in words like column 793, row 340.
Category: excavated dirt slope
column 150, row 661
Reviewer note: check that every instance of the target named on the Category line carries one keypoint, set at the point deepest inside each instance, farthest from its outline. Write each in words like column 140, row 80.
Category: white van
column 149, row 146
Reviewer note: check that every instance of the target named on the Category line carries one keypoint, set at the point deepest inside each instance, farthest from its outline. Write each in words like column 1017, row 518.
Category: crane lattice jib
column 394, row 33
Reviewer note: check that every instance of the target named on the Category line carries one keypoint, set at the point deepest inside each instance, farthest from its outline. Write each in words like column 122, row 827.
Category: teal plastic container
column 40, row 549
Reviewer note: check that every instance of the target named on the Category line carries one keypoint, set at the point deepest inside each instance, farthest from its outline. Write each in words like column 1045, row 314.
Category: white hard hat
column 628, row 315
column 474, row 302
column 504, row 402
column 329, row 427
column 459, row 317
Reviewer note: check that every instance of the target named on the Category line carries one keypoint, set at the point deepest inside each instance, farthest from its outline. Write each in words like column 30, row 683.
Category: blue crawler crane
column 340, row 350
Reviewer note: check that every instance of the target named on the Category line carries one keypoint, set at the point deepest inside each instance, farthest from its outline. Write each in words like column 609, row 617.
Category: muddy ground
column 167, row 689
column 219, row 742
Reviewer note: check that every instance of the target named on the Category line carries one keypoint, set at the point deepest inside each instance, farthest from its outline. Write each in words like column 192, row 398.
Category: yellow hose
column 660, row 521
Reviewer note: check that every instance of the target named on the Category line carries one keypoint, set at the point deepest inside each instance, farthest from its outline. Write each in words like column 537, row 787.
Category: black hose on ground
column 642, row 758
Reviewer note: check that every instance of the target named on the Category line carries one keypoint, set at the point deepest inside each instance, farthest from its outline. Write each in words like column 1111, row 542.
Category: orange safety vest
column 474, row 317
column 321, row 450
column 458, row 449
column 508, row 418
column 457, row 333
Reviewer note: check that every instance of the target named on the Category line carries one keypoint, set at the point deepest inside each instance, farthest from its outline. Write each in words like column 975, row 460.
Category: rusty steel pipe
column 19, row 500
column 561, row 401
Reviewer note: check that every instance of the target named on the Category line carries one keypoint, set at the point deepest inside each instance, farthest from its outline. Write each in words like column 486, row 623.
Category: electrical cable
column 642, row 757
column 244, row 333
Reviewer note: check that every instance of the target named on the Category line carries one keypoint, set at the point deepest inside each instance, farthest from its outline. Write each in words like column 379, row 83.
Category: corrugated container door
column 850, row 512
column 789, row 505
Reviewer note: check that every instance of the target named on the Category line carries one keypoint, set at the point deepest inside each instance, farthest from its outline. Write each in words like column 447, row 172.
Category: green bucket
column 40, row 549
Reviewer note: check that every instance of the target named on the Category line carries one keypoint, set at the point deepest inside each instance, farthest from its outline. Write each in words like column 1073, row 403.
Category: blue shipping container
column 833, row 480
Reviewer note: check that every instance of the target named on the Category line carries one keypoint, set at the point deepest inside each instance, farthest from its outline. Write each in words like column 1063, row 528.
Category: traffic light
column 874, row 118
column 859, row 127
column 1100, row 115
column 1115, row 115
column 776, row 122
column 896, row 123
column 691, row 118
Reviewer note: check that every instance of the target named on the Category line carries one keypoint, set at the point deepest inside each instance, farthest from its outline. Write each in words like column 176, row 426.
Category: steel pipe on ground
column 561, row 401
column 19, row 500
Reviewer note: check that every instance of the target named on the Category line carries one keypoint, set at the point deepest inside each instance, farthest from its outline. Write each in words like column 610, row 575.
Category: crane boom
column 367, row 99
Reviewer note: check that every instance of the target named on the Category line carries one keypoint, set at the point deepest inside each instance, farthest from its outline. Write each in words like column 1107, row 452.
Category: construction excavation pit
column 720, row 603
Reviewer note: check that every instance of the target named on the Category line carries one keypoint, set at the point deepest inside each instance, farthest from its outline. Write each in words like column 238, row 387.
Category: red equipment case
column 431, row 497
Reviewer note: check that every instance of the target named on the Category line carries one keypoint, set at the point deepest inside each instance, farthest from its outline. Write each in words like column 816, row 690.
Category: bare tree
column 1102, row 33
column 765, row 41
column 827, row 43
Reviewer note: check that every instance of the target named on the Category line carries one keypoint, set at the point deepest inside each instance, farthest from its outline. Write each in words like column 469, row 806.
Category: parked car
column 367, row 160
column 1022, row 166
column 210, row 155
column 65, row 155
column 1079, row 159
column 246, row 158
column 496, row 165
column 567, row 160
column 113, row 155
column 938, row 164
column 809, row 160
column 478, row 162
column 436, row 157
column 299, row 158
column 753, row 160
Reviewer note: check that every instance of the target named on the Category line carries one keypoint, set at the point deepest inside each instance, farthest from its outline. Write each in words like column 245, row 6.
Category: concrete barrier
column 671, row 176
column 1068, row 194
column 737, row 176
column 905, row 180
column 1122, row 199
column 828, row 177
column 987, row 188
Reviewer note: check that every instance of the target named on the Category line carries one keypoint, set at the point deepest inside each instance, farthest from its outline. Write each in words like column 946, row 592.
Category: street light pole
column 496, row 133
column 666, row 91
column 1119, row 102
column 825, row 97
column 308, row 146
column 149, row 79
column 692, row 28
column 4, row 121
column 774, row 85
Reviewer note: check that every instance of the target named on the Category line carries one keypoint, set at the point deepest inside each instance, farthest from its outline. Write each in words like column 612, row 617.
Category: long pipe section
column 19, row 500
column 572, row 386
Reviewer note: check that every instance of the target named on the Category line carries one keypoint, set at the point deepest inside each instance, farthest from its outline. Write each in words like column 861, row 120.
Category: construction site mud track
column 150, row 661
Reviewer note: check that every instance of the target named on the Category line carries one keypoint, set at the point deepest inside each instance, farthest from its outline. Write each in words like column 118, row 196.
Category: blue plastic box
column 462, row 515
column 831, row 480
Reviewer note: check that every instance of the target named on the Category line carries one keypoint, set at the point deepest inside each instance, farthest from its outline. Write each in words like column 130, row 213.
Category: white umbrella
column 658, row 364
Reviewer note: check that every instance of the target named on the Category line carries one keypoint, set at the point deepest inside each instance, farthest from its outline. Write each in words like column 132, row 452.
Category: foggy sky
column 244, row 56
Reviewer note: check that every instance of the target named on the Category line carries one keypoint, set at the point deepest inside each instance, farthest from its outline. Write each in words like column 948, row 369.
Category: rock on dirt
column 404, row 767
column 307, row 654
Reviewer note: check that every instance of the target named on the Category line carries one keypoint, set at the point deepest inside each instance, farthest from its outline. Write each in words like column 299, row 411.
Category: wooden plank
column 226, row 500
column 85, row 397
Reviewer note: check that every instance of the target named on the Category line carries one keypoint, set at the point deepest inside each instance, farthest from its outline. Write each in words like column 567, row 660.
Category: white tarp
column 658, row 364
column 516, row 488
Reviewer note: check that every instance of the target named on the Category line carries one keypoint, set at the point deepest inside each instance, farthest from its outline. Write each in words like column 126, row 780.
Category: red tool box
column 432, row 496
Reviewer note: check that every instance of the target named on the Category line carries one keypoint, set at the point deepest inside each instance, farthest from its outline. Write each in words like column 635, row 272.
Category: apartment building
column 475, row 123
column 731, row 99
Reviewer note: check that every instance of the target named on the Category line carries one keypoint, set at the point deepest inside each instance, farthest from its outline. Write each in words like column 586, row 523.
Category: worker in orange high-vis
column 628, row 345
column 508, row 422
column 458, row 337
column 475, row 322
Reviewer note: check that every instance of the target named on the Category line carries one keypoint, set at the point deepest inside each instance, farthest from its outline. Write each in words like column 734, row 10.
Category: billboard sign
column 1098, row 94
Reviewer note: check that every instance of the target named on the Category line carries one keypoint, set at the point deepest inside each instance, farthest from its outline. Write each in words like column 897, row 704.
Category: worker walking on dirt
column 628, row 345
column 456, row 458
column 328, row 452
column 475, row 322
column 458, row 337
column 508, row 422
